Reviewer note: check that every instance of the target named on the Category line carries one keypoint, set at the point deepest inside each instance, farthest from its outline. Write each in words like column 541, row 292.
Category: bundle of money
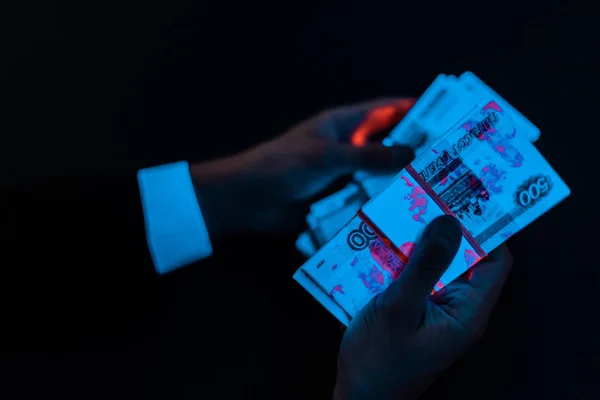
column 444, row 102
column 483, row 170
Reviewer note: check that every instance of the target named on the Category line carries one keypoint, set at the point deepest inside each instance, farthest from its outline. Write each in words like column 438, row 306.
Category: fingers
column 490, row 274
column 401, row 104
column 373, row 157
column 356, row 123
column 433, row 255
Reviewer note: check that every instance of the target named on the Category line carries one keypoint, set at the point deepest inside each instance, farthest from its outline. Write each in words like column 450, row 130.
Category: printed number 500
column 536, row 189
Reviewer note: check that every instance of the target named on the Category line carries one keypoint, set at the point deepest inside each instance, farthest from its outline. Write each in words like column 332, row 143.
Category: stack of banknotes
column 475, row 160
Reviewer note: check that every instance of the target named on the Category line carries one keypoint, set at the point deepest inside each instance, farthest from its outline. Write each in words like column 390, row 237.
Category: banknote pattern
column 354, row 266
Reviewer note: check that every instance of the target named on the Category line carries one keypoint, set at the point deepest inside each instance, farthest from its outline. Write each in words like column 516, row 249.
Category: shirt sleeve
column 175, row 229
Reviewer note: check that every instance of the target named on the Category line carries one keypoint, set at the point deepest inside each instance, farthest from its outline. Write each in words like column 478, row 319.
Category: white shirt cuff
column 175, row 229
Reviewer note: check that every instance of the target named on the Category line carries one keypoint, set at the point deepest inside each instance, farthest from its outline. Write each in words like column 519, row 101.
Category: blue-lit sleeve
column 175, row 229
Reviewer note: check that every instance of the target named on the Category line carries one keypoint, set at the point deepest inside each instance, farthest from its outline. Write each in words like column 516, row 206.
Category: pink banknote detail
column 386, row 258
column 499, row 141
column 408, row 248
column 407, row 181
column 470, row 257
column 491, row 176
column 454, row 175
column 417, row 199
column 373, row 280
column 337, row 289
column 492, row 105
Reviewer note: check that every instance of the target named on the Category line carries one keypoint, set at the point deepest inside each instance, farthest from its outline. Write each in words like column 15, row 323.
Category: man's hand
column 405, row 337
column 261, row 188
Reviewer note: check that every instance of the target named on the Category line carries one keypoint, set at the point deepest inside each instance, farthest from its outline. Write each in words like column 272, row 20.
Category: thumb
column 373, row 157
column 432, row 256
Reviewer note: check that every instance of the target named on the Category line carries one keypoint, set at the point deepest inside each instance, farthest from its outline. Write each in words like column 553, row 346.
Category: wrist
column 338, row 393
column 214, row 184
column 379, row 389
column 345, row 390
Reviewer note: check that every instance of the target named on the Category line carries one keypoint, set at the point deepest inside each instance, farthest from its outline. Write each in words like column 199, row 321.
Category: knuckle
column 322, row 156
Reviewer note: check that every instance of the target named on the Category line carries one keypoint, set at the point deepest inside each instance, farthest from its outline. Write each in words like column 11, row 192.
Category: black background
column 99, row 87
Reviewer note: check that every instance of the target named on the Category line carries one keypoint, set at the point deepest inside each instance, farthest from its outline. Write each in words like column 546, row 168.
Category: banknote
column 354, row 266
column 482, row 91
column 324, row 298
column 306, row 245
column 443, row 103
column 358, row 263
column 335, row 201
column 484, row 171
column 372, row 184
column 487, row 174
column 330, row 214
column 446, row 101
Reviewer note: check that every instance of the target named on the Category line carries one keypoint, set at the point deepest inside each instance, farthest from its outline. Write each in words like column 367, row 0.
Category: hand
column 260, row 189
column 405, row 337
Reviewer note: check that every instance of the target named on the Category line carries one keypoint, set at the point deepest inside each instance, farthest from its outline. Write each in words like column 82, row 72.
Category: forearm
column 225, row 191
column 213, row 182
column 371, row 389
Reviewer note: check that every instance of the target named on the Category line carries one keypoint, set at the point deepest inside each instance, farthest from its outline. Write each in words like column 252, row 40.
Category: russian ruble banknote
column 484, row 170
column 445, row 101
